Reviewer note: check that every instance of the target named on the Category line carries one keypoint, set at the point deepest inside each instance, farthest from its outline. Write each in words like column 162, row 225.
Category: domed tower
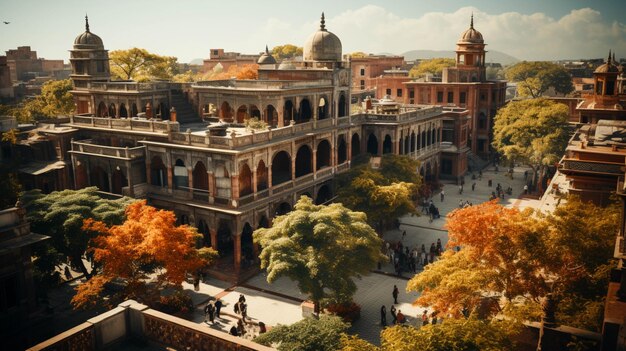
column 605, row 79
column 266, row 59
column 470, row 56
column 322, row 46
column 89, row 59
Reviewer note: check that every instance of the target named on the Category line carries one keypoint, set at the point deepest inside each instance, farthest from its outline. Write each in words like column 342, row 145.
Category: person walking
column 218, row 307
column 233, row 331
column 424, row 318
column 394, row 317
column 400, row 318
column 460, row 189
column 243, row 308
column 383, row 316
column 442, row 195
column 473, row 186
column 525, row 189
column 395, row 294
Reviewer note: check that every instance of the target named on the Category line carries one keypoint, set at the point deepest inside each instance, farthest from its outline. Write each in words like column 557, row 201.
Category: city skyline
column 528, row 31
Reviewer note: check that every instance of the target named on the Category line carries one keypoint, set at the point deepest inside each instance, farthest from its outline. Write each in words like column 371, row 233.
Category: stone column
column 131, row 191
column 170, row 179
column 190, row 181
column 254, row 182
column 237, row 251
column 234, row 187
column 213, row 234
column 211, row 186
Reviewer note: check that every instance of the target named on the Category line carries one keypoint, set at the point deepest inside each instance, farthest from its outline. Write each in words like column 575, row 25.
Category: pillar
column 213, row 234
column 237, row 251
column 170, row 178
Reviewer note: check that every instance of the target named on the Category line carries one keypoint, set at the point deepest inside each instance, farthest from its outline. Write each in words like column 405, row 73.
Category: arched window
column 342, row 106
column 158, row 172
column 245, row 180
column 181, row 176
column 342, row 155
column 387, row 145
column 261, row 176
column 281, row 168
column 304, row 161
column 372, row 145
column 355, row 145
column 323, row 154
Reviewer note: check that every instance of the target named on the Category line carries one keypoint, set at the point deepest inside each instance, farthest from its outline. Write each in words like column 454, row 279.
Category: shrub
column 348, row 311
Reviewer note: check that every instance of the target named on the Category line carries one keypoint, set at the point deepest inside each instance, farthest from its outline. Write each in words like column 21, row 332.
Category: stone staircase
column 475, row 162
column 184, row 110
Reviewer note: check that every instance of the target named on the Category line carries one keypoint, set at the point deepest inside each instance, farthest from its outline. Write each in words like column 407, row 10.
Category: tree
column 432, row 66
column 309, row 334
column 322, row 248
column 451, row 335
column 148, row 252
column 532, row 131
column 9, row 184
column 60, row 214
column 357, row 54
column 497, row 259
column 250, row 71
column 516, row 258
column 141, row 65
column 534, row 78
column 55, row 100
column 384, row 194
column 286, row 51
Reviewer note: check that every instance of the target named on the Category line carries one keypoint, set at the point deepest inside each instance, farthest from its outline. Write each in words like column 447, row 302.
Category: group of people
column 397, row 317
column 430, row 209
column 213, row 308
column 405, row 259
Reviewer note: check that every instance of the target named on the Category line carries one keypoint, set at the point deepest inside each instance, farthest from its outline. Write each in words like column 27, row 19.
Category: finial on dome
column 609, row 59
column 86, row 23
column 322, row 23
column 472, row 20
column 267, row 51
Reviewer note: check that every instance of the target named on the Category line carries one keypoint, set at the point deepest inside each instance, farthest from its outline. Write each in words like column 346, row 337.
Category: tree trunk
column 316, row 308
column 78, row 263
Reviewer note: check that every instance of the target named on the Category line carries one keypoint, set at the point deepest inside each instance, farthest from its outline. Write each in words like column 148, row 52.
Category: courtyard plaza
column 280, row 302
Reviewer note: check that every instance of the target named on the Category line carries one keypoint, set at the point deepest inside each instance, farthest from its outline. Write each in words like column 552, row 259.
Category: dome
column 266, row 58
column 471, row 35
column 88, row 39
column 322, row 45
column 608, row 67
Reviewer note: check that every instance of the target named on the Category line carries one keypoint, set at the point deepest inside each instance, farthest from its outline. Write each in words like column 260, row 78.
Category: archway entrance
column 372, row 145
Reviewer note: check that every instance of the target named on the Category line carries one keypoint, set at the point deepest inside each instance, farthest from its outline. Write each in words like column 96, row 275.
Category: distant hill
column 197, row 61
column 492, row 56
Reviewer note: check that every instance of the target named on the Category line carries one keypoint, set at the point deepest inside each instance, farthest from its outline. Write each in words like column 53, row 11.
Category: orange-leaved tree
column 500, row 257
column 145, row 254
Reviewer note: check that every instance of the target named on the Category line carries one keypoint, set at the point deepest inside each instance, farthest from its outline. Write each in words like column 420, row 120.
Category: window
column 215, row 52
column 440, row 96
column 482, row 97
column 411, row 94
column 362, row 71
column 362, row 85
column 99, row 66
column 450, row 97
column 399, row 93
column 388, row 91
column 462, row 97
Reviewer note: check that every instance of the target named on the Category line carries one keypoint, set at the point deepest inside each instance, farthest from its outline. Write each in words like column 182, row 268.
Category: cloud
column 582, row 33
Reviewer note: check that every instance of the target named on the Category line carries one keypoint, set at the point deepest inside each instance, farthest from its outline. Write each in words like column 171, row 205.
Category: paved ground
column 279, row 303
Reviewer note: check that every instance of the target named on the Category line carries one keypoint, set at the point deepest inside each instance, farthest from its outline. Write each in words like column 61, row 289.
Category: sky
column 188, row 29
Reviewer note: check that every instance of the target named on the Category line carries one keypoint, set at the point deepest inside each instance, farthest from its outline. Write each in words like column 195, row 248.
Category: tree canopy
column 451, row 335
column 55, row 100
column 534, row 78
column 532, row 131
column 432, row 66
column 322, row 248
column 281, row 52
column 384, row 194
column 309, row 334
column 60, row 215
column 520, row 257
column 148, row 252
column 141, row 65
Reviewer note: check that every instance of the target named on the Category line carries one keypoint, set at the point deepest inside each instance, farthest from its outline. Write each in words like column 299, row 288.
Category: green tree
column 432, row 66
column 533, row 131
column 60, row 215
column 141, row 65
column 286, row 51
column 55, row 100
column 384, row 194
column 534, row 78
column 322, row 248
column 309, row 334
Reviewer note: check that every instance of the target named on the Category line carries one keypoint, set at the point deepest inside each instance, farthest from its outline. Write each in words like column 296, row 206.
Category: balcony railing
column 134, row 123
column 86, row 147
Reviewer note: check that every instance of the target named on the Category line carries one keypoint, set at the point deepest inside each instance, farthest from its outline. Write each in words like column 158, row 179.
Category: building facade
column 224, row 178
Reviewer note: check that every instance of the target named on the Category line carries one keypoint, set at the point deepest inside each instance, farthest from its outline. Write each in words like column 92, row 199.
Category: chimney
column 173, row 114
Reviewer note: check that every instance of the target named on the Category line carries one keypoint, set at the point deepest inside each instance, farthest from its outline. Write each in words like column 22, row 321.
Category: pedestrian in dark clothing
column 243, row 308
column 424, row 318
column 242, row 298
column 233, row 331
column 236, row 307
column 218, row 307
column 383, row 316
column 473, row 186
column 394, row 318
column 262, row 328
column 241, row 327
column 395, row 294
column 489, row 183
